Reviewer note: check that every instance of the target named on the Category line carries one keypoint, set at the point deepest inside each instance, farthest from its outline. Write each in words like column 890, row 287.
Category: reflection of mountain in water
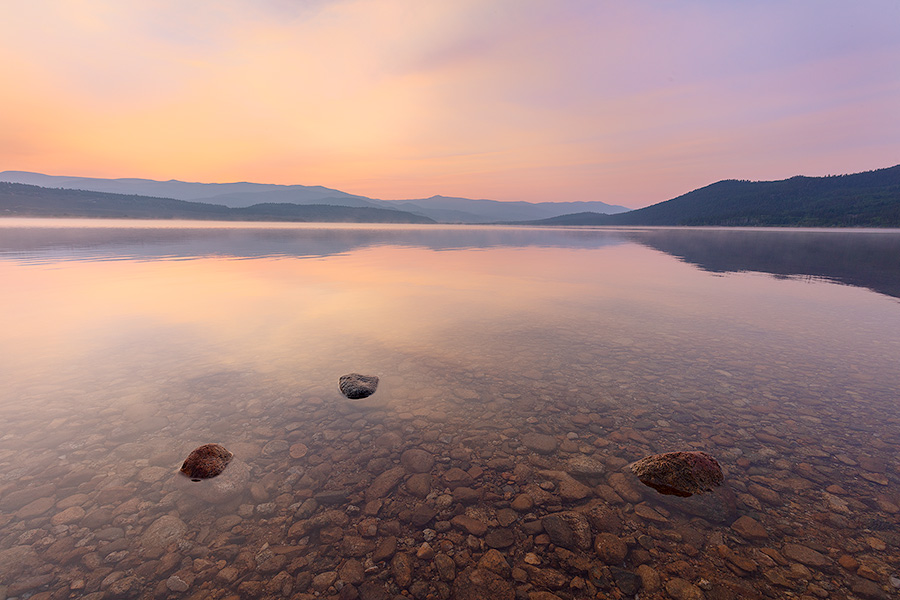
column 869, row 259
column 41, row 245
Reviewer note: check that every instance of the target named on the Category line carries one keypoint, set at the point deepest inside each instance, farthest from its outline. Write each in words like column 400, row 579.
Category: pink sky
column 630, row 103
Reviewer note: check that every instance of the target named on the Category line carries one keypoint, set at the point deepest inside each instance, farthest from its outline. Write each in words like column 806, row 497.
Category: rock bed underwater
column 485, row 489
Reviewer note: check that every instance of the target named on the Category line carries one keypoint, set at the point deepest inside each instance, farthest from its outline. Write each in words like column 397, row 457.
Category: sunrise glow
column 627, row 103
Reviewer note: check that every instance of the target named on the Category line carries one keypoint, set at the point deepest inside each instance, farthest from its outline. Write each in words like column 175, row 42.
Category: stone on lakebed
column 679, row 473
column 206, row 461
column 356, row 386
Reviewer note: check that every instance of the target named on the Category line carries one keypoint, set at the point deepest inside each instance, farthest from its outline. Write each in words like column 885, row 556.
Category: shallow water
column 127, row 344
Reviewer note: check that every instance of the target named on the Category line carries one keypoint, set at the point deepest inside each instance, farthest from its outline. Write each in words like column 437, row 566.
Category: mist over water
column 127, row 345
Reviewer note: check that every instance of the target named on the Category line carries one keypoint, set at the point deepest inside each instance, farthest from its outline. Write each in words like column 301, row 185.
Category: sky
column 629, row 103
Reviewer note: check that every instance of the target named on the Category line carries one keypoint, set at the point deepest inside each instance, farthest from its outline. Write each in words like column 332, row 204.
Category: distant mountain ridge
column 23, row 200
column 869, row 199
column 244, row 194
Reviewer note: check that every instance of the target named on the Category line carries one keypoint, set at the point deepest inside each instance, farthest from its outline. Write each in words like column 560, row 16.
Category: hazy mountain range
column 870, row 199
column 244, row 195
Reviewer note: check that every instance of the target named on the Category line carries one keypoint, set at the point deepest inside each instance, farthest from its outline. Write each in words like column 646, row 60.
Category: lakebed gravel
column 469, row 487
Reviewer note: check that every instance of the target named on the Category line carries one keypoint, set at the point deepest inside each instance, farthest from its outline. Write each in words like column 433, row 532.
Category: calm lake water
column 125, row 345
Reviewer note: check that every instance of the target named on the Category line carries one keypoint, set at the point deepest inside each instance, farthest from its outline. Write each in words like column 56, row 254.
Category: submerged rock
column 206, row 461
column 679, row 473
column 356, row 386
column 229, row 487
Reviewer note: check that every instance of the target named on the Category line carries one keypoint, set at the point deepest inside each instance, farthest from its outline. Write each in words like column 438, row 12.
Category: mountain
column 466, row 210
column 22, row 200
column 869, row 199
column 239, row 195
column 235, row 195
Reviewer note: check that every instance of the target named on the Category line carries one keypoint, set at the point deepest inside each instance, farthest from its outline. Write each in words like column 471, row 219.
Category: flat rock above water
column 356, row 386
column 205, row 462
column 679, row 473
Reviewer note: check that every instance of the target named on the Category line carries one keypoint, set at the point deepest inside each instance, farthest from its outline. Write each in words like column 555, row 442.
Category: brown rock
column 749, row 528
column 500, row 538
column 868, row 573
column 323, row 581
column 585, row 466
column 868, row 589
column 163, row 531
column 568, row 529
column 547, row 578
column 356, row 386
column 610, row 549
column 417, row 461
column 466, row 495
column 422, row 515
column 737, row 563
column 352, row 571
column 540, row 443
column 469, row 525
column 35, row 508
column 679, row 589
column 494, row 561
column 13, row 501
column 385, row 549
column 373, row 590
column 765, row 494
column 570, row 490
column 17, row 560
column 679, row 473
column 481, row 584
column 384, row 483
column 425, row 552
column 456, row 477
column 402, row 568
column 205, row 462
column 650, row 580
column 804, row 555
column 445, row 566
column 356, row 546
column 540, row 496
column 269, row 562
column 419, row 485
column 522, row 503
column 623, row 487
column 649, row 514
column 69, row 515
column 298, row 450
column 543, row 596
column 506, row 517
column 603, row 518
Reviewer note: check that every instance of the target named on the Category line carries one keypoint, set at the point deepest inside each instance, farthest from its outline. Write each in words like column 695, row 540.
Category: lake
column 520, row 370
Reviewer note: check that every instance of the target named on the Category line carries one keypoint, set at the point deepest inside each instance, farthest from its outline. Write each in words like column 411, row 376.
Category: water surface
column 126, row 344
